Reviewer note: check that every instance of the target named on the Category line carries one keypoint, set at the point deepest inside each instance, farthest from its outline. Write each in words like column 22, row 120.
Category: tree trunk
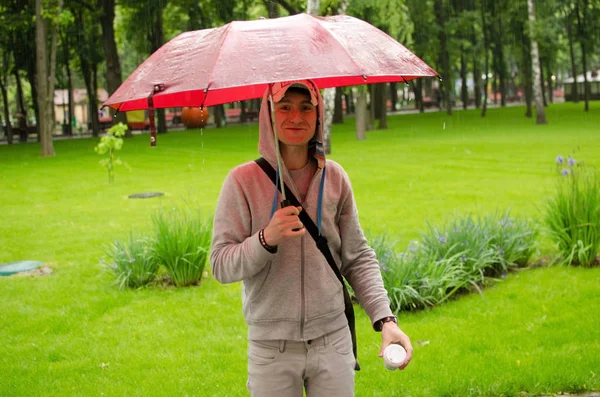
column 477, row 82
column 575, row 91
column 418, row 90
column 272, row 8
column 586, row 83
column 361, row 113
column 383, row 124
column 486, row 57
column 499, row 63
column 445, row 58
column 156, row 38
column 111, row 55
column 527, row 68
column 8, row 129
column 549, row 83
column 93, row 98
column 68, row 127
column 393, row 95
column 535, row 59
column 464, row 92
column 44, row 82
column 338, row 111
column 541, row 63
column 329, row 100
column 372, row 103
column 583, row 38
column 312, row 7
column 219, row 116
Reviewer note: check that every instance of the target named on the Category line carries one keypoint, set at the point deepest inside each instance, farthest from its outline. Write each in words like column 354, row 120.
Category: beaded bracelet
column 261, row 238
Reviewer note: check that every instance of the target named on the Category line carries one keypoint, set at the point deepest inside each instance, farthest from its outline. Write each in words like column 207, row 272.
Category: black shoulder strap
column 321, row 242
column 308, row 223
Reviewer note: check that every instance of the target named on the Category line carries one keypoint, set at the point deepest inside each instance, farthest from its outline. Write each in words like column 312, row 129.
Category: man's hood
column 266, row 139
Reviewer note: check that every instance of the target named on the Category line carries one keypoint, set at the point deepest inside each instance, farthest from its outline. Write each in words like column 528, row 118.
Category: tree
column 441, row 12
column 485, row 29
column 4, row 68
column 111, row 54
column 537, row 87
column 46, row 64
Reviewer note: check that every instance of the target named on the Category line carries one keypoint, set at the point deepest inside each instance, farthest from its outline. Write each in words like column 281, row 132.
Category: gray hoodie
column 293, row 294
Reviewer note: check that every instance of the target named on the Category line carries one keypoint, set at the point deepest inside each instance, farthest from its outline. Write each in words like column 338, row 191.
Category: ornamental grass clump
column 573, row 213
column 491, row 245
column 182, row 244
column 458, row 257
column 132, row 262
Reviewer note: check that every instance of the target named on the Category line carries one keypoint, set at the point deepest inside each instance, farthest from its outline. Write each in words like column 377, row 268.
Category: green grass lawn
column 72, row 333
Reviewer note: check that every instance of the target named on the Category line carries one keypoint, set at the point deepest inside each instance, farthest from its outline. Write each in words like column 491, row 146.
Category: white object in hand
column 393, row 356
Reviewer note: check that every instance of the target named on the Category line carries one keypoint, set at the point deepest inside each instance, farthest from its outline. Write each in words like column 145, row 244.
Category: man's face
column 296, row 119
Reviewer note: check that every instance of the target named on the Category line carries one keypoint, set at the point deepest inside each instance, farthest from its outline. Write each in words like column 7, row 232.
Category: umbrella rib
column 217, row 58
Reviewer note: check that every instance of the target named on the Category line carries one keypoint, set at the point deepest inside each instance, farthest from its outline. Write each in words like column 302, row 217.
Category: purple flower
column 412, row 247
column 501, row 251
column 463, row 258
column 131, row 260
column 565, row 172
column 560, row 160
column 442, row 239
column 572, row 161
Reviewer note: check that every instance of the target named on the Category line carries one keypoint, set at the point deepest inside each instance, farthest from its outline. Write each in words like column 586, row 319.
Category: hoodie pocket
column 274, row 296
column 323, row 291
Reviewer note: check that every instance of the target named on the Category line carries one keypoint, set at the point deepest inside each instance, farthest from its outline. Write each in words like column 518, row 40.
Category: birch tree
column 535, row 61
column 46, row 68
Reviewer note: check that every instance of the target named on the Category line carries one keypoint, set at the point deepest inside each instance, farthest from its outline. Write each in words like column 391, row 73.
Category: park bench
column 236, row 114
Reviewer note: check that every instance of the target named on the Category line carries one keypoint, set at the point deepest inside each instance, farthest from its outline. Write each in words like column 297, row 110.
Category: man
column 292, row 301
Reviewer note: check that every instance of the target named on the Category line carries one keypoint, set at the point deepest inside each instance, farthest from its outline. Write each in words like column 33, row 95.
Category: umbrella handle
column 287, row 203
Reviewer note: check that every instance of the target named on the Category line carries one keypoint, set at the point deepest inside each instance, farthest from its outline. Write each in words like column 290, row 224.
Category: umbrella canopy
column 237, row 61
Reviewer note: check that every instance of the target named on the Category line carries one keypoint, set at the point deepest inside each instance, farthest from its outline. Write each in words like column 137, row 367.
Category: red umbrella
column 237, row 61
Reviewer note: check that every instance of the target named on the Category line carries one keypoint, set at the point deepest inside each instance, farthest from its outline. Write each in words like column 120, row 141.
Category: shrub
column 453, row 258
column 573, row 213
column 109, row 144
column 491, row 245
column 133, row 262
column 182, row 244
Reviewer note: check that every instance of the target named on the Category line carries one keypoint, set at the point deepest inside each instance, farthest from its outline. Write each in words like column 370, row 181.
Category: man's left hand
column 392, row 334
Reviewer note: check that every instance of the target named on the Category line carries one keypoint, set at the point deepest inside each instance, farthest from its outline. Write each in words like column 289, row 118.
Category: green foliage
column 573, row 213
column 453, row 258
column 109, row 144
column 182, row 244
column 502, row 241
column 132, row 262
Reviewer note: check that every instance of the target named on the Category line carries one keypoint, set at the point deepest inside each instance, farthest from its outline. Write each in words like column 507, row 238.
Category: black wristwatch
column 378, row 325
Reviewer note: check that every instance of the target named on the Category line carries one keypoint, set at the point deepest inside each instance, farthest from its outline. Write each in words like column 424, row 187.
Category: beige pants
column 322, row 366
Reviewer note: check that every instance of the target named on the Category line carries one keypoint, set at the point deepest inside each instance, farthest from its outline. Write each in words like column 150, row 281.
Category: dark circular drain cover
column 146, row 195
column 18, row 267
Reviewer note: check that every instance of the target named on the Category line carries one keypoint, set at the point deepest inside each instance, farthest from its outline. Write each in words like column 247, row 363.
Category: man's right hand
column 285, row 224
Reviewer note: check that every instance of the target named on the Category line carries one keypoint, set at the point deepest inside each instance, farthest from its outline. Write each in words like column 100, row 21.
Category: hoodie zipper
column 302, row 293
column 302, row 265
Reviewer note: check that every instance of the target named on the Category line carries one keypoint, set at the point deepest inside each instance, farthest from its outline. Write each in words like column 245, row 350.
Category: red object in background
column 194, row 117
column 237, row 61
